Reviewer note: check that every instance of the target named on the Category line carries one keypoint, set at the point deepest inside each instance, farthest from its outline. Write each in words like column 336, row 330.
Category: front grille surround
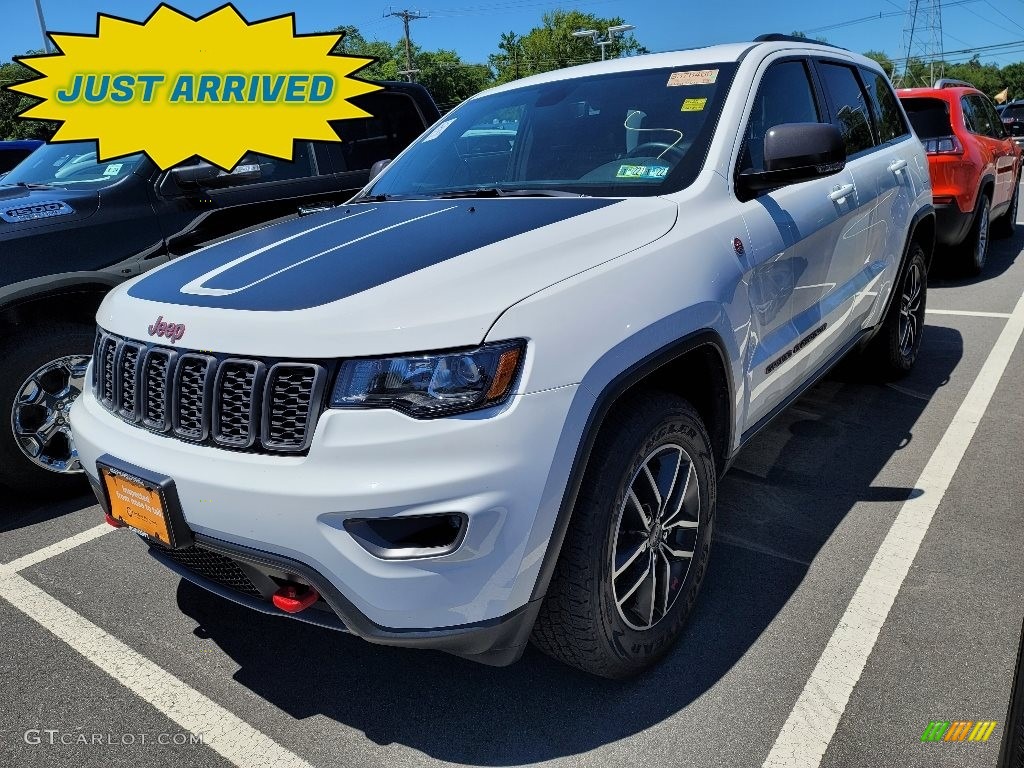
column 191, row 396
column 235, row 403
column 290, row 389
column 126, row 372
column 236, row 417
column 155, row 388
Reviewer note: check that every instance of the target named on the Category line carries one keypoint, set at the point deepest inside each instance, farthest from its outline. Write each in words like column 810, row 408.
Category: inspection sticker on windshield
column 695, row 77
column 113, row 169
column 694, row 105
column 642, row 172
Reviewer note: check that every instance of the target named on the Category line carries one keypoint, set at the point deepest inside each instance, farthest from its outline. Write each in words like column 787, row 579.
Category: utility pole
column 42, row 27
column 407, row 16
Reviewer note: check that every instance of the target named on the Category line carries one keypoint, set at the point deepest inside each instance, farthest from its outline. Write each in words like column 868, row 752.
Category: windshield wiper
column 370, row 199
column 499, row 192
column 32, row 185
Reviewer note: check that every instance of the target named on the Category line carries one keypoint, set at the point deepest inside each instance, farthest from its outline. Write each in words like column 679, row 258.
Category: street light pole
column 42, row 27
column 594, row 35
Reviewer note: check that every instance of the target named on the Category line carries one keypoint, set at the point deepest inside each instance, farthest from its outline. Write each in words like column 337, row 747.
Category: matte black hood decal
column 310, row 262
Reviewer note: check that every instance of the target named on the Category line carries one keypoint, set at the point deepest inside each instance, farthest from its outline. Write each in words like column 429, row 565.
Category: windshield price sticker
column 694, row 77
column 174, row 86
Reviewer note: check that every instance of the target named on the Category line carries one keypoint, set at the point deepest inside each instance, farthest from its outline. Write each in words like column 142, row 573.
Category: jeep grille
column 264, row 406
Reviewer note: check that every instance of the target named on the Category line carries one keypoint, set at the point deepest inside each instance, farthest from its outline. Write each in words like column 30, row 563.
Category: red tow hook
column 290, row 600
column 112, row 521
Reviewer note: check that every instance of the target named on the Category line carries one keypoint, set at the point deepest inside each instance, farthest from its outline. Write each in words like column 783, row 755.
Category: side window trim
column 816, row 93
column 876, row 106
column 818, row 60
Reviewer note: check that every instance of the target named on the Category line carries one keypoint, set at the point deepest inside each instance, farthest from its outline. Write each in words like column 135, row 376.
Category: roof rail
column 775, row 37
column 950, row 83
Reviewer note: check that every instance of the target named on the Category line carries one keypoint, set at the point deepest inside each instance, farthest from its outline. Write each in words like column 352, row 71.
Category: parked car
column 71, row 228
column 1012, row 115
column 975, row 167
column 13, row 152
column 492, row 396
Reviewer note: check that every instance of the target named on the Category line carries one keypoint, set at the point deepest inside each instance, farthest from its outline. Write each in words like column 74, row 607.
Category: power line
column 407, row 16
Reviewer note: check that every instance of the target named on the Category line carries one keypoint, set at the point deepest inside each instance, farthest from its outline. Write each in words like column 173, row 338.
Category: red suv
column 975, row 166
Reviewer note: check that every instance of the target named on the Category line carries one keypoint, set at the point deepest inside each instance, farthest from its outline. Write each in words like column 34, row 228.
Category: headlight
column 427, row 386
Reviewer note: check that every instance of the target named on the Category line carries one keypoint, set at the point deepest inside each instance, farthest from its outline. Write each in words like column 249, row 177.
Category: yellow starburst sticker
column 175, row 86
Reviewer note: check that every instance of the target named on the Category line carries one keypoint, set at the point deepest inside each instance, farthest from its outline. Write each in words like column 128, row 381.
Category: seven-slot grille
column 244, row 404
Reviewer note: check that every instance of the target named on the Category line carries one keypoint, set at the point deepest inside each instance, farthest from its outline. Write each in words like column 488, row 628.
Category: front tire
column 974, row 249
column 637, row 549
column 42, row 375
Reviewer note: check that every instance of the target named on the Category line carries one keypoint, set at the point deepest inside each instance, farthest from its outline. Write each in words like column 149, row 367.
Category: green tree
column 449, row 79
column 11, row 104
column 883, row 59
column 552, row 45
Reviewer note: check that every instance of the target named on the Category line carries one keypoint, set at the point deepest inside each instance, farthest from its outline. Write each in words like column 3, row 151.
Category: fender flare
column 602, row 405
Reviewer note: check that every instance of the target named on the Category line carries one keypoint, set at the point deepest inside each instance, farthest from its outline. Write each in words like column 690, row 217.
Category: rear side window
column 977, row 117
column 930, row 117
column 850, row 113
column 983, row 105
column 784, row 96
column 888, row 118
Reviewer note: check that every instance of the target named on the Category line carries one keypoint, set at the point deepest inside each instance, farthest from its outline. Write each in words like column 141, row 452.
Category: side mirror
column 206, row 175
column 377, row 167
column 793, row 153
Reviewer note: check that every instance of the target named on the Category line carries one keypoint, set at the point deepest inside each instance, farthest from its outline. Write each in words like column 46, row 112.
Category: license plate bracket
column 145, row 501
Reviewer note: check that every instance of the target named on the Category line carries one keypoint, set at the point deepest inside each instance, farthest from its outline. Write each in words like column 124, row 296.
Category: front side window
column 850, row 107
column 619, row 134
column 785, row 95
column 888, row 117
column 72, row 165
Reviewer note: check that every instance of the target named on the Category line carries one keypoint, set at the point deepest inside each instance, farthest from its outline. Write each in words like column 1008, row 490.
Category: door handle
column 840, row 193
column 897, row 165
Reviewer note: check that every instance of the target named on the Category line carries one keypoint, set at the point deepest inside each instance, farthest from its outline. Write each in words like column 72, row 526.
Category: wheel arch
column 71, row 302
column 710, row 392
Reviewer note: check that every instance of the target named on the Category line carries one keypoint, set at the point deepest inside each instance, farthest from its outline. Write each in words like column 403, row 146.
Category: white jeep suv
column 490, row 398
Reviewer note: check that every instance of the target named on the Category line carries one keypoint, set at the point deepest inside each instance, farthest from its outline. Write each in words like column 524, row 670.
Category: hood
column 23, row 209
column 380, row 278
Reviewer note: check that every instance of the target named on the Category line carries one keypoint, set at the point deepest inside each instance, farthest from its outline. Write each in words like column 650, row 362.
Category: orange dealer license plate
column 148, row 504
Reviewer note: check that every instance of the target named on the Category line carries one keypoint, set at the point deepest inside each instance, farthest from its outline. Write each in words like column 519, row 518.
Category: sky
column 473, row 27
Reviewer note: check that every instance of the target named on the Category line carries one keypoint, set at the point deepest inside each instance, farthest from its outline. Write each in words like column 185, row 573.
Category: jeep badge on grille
column 172, row 331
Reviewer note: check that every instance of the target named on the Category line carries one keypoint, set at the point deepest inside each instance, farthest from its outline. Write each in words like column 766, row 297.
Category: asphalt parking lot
column 865, row 580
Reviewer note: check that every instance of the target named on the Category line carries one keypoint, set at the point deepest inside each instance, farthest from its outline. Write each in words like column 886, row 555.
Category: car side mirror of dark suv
column 795, row 152
column 377, row 167
column 206, row 175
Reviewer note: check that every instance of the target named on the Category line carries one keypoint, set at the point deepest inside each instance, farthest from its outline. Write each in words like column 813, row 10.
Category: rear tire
column 1006, row 224
column 637, row 549
column 973, row 250
column 40, row 377
column 893, row 351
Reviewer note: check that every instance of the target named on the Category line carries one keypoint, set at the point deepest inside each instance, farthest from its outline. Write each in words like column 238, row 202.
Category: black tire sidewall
column 23, row 352
column 899, row 361
column 632, row 647
column 976, row 263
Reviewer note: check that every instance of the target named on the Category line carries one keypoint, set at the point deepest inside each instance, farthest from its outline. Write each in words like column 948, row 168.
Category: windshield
column 621, row 134
column 1014, row 111
column 71, row 165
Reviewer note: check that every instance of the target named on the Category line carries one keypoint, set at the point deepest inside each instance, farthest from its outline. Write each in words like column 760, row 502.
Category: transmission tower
column 922, row 40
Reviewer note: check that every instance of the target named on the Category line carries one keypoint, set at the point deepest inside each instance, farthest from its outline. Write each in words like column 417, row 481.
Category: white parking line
column 221, row 731
column 59, row 548
column 813, row 720
column 967, row 313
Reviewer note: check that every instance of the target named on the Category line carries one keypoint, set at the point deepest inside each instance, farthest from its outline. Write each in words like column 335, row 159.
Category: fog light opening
column 400, row 538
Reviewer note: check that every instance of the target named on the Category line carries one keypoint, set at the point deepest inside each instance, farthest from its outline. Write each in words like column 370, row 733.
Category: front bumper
column 289, row 512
